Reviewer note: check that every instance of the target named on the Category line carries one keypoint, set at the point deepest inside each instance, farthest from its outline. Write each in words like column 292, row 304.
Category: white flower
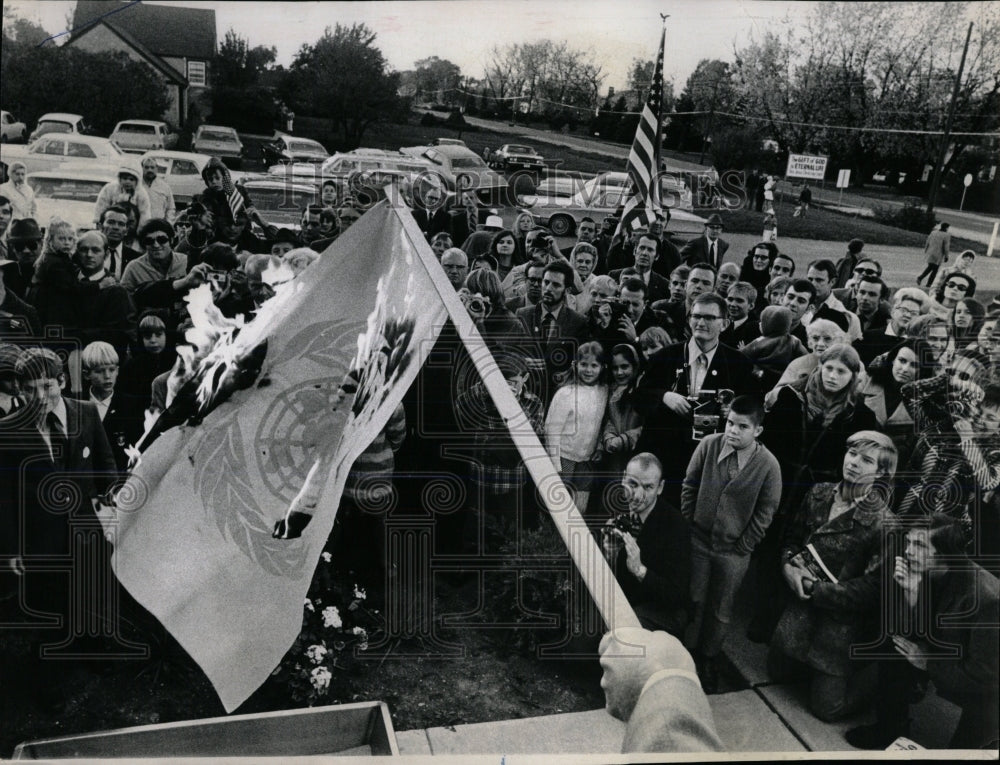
column 359, row 631
column 331, row 617
column 309, row 604
column 320, row 678
column 316, row 653
column 359, row 593
column 326, row 557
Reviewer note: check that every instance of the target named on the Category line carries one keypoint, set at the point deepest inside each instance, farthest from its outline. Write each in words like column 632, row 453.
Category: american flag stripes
column 643, row 202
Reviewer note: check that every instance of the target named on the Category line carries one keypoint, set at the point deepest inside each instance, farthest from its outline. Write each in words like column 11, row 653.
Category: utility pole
column 711, row 120
column 939, row 166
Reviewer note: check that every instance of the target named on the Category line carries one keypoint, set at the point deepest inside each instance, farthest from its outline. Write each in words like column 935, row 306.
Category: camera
column 607, row 312
column 710, row 409
column 477, row 305
column 218, row 280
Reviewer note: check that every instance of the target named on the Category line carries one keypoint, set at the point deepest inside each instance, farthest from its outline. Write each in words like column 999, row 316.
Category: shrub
column 912, row 216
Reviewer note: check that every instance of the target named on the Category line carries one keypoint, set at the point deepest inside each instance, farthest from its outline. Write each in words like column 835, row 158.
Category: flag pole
column 597, row 576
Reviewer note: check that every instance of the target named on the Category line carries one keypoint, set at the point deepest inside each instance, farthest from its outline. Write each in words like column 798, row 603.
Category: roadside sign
column 809, row 166
column 843, row 179
column 967, row 180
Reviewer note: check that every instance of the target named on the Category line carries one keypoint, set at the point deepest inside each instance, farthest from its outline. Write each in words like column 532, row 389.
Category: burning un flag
column 221, row 524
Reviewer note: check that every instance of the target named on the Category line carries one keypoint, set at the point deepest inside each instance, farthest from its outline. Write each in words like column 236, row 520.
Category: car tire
column 562, row 225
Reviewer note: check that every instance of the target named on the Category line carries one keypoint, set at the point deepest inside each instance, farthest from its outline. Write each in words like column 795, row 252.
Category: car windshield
column 215, row 135
column 514, row 149
column 133, row 128
column 55, row 127
column 305, row 146
column 284, row 201
column 69, row 189
column 467, row 162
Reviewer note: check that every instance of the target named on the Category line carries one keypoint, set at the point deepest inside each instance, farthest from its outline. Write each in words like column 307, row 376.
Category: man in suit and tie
column 556, row 328
column 678, row 373
column 710, row 248
column 658, row 287
column 114, row 225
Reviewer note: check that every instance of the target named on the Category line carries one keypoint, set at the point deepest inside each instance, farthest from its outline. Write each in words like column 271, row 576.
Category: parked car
column 561, row 215
column 137, row 136
column 59, row 122
column 563, row 185
column 674, row 190
column 69, row 193
column 12, row 131
column 448, row 142
column 56, row 149
column 463, row 169
column 219, row 141
column 286, row 148
column 181, row 171
column 516, row 156
column 344, row 166
column 280, row 201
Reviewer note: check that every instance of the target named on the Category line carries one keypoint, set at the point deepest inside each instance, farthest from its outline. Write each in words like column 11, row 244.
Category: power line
column 897, row 131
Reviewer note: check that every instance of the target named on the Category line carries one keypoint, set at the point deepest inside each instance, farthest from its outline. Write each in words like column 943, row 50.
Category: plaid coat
column 497, row 465
column 945, row 473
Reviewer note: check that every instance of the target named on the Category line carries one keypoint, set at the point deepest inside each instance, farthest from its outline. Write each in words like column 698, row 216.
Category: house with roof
column 176, row 42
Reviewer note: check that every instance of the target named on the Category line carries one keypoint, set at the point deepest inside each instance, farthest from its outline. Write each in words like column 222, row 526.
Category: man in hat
column 126, row 189
column 24, row 243
column 709, row 248
column 478, row 242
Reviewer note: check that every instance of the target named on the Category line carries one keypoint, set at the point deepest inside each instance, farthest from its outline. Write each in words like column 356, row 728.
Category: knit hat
column 775, row 320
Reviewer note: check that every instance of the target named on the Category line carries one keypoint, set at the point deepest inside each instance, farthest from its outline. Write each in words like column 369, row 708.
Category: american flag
column 643, row 203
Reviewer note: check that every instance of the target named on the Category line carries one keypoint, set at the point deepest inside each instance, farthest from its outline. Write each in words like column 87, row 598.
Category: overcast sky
column 464, row 30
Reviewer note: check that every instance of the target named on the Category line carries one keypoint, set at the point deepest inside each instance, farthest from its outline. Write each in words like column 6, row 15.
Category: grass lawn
column 823, row 224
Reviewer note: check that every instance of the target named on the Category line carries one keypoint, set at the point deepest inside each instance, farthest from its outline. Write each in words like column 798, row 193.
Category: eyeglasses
column 760, row 256
column 866, row 271
column 29, row 244
column 719, row 228
column 704, row 317
column 156, row 240
column 960, row 286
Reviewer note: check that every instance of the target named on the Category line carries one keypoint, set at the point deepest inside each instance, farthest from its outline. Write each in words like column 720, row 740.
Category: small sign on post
column 843, row 181
column 968, row 182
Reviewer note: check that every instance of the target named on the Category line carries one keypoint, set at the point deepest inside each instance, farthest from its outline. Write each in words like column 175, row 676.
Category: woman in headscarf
column 20, row 194
column 845, row 522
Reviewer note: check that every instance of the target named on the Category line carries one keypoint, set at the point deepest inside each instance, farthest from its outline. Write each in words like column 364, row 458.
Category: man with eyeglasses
column 907, row 304
column 709, row 248
column 533, row 287
column 679, row 372
column 24, row 243
column 114, row 226
column 159, row 278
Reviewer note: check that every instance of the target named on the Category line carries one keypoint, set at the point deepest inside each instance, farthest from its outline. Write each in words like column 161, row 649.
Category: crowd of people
column 828, row 443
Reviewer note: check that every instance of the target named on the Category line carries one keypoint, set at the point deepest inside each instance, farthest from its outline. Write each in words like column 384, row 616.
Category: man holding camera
column 683, row 376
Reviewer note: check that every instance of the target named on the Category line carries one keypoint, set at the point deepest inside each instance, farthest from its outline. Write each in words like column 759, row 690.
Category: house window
column 196, row 73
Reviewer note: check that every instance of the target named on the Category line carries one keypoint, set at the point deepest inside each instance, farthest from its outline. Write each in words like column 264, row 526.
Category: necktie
column 700, row 368
column 715, row 260
column 111, row 265
column 548, row 327
column 57, row 438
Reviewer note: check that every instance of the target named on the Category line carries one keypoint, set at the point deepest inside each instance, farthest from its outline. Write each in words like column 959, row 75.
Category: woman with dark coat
column 756, row 270
column 832, row 609
column 882, row 392
column 807, row 429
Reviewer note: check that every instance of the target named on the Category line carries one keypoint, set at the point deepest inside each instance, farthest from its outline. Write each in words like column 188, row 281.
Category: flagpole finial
column 664, row 17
